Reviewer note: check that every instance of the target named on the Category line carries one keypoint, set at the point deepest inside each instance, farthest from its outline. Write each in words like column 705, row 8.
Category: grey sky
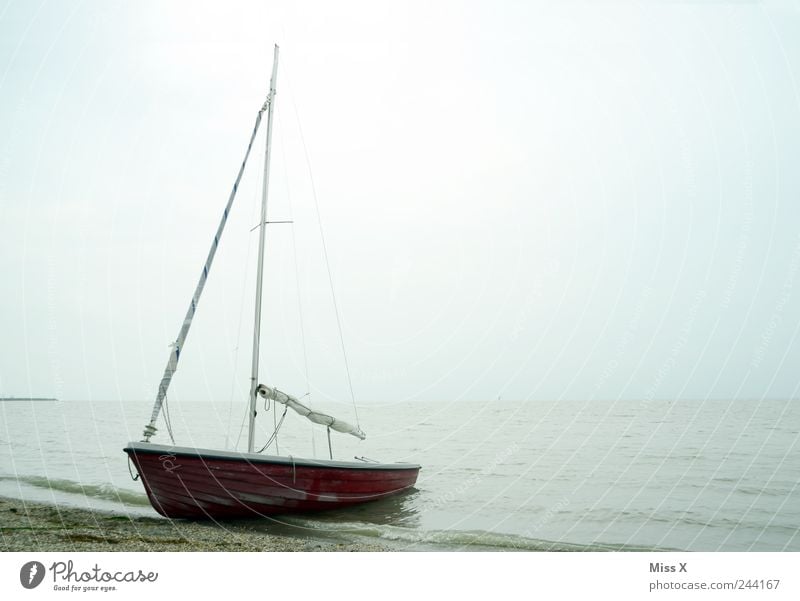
column 526, row 200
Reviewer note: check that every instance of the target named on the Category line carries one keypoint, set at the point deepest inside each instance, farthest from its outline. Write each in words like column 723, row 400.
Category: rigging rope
column 236, row 360
column 136, row 477
column 297, row 283
column 296, row 269
column 324, row 251
column 275, row 433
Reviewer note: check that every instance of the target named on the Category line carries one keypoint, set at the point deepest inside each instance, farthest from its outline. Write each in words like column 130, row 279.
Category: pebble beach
column 26, row 526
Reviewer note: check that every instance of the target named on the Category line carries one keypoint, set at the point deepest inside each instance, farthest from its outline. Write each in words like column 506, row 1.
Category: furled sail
column 177, row 346
column 315, row 416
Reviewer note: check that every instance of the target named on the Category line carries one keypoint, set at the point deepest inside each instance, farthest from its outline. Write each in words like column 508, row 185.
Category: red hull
column 202, row 484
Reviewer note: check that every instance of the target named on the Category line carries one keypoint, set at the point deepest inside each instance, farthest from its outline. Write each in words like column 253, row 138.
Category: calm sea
column 689, row 475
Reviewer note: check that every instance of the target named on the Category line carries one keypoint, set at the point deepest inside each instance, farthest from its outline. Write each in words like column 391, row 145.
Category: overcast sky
column 521, row 200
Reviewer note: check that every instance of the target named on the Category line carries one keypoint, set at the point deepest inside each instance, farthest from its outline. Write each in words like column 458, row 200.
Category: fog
column 519, row 200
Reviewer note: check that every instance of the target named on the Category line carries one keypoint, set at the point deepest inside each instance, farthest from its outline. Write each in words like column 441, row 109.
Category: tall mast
column 260, row 274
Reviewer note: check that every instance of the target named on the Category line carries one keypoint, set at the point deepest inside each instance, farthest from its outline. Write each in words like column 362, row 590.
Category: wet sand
column 28, row 526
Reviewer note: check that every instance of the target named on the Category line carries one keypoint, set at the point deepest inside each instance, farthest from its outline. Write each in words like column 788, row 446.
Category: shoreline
column 36, row 526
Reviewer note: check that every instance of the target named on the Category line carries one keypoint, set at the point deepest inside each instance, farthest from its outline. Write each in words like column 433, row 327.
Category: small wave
column 455, row 539
column 732, row 523
column 769, row 492
column 98, row 491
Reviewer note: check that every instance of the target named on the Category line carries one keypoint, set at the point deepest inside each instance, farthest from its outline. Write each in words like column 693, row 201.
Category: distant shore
column 26, row 526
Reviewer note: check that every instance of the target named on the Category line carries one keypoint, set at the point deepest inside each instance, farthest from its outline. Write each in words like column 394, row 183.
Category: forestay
column 177, row 346
column 315, row 416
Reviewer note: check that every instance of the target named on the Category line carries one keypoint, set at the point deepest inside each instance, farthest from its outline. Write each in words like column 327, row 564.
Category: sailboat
column 194, row 483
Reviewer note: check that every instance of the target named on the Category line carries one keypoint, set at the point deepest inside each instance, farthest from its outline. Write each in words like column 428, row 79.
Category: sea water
column 538, row 475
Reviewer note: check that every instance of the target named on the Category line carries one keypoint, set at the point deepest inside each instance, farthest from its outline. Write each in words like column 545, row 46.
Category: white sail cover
column 315, row 416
